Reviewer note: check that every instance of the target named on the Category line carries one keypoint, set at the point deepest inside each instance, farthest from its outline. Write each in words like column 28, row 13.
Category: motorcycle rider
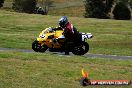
column 70, row 32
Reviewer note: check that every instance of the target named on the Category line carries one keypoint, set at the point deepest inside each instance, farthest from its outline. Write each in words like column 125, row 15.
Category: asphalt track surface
column 61, row 54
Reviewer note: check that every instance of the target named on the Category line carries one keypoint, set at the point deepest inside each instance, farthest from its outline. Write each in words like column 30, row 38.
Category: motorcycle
column 54, row 41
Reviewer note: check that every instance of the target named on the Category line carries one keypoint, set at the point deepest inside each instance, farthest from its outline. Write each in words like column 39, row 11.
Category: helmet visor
column 62, row 24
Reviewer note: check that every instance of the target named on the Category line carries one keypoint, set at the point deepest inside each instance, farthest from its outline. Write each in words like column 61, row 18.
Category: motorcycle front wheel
column 38, row 48
column 81, row 49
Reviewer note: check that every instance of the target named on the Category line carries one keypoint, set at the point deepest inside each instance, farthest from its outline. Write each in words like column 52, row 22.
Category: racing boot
column 66, row 50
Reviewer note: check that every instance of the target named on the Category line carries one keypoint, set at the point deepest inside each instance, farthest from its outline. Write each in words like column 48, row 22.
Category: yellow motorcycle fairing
column 46, row 38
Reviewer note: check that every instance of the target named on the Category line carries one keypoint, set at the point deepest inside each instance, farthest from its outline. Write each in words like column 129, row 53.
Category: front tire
column 38, row 48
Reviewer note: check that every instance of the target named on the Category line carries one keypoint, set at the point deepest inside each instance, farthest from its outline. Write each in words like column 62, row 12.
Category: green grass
column 19, row 30
column 73, row 11
column 38, row 70
column 74, row 8
column 60, row 7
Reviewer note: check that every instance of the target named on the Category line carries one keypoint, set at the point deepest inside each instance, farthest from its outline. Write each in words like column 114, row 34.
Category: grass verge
column 48, row 70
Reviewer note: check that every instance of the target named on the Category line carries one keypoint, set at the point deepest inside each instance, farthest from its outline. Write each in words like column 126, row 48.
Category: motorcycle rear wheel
column 81, row 49
column 38, row 48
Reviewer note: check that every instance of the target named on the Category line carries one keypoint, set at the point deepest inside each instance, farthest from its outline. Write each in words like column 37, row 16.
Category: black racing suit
column 72, row 37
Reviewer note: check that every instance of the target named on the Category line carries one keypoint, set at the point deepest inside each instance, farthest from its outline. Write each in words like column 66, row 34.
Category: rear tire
column 81, row 49
column 38, row 48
